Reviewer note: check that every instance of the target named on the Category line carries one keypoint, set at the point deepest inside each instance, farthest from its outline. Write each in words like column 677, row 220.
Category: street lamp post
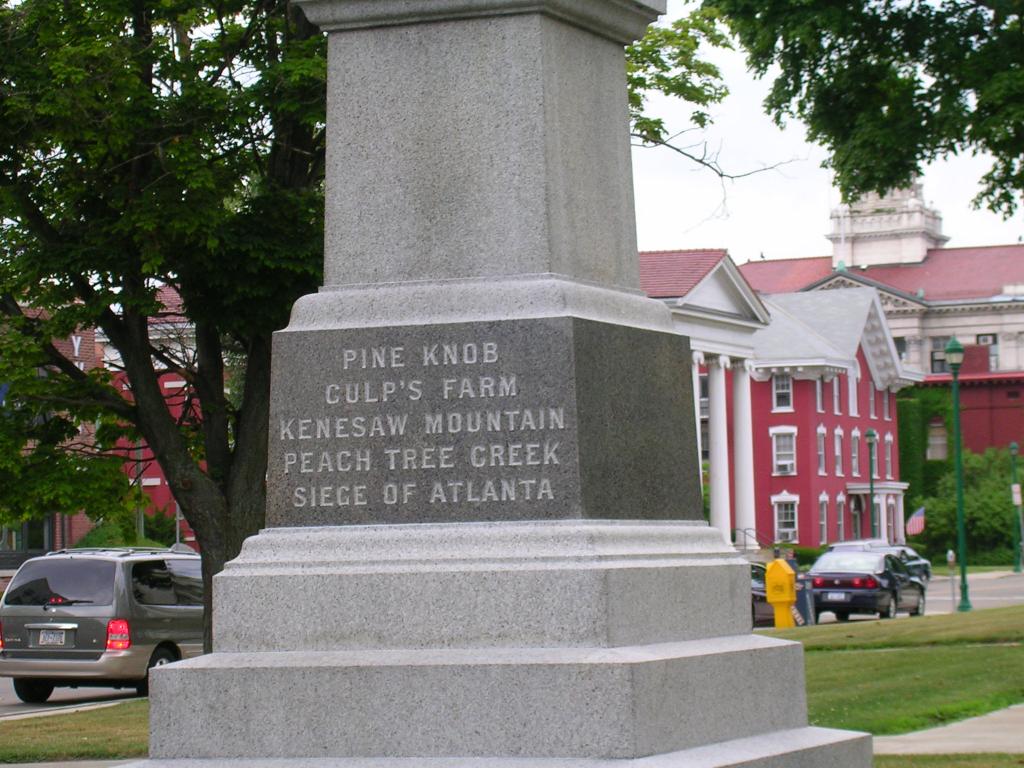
column 872, row 439
column 1018, row 524
column 954, row 357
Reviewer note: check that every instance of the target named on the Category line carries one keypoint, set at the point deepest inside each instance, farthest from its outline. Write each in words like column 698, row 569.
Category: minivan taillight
column 118, row 638
column 1, row 635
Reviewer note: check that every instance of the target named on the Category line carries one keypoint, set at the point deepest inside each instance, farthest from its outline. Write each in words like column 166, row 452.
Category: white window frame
column 840, row 517
column 822, row 450
column 886, row 408
column 837, row 399
column 873, row 458
column 871, row 401
column 837, row 441
column 823, row 519
column 782, row 431
column 855, row 453
column 777, row 501
column 777, row 380
column 819, row 394
column 888, row 455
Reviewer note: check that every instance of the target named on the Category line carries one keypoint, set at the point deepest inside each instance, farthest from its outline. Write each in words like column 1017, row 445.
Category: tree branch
column 705, row 159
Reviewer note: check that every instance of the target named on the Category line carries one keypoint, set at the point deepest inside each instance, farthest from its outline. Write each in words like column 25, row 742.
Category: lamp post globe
column 872, row 440
column 954, row 358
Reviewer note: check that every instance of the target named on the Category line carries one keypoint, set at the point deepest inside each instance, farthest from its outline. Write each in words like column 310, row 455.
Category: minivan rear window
column 64, row 581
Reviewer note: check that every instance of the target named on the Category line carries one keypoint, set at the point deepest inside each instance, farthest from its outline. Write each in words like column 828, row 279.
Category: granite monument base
column 556, row 643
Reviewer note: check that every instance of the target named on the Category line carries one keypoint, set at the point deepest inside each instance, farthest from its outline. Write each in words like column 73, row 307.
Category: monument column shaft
column 481, row 147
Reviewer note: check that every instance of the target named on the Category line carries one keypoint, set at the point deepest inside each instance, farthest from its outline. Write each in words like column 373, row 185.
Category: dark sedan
column 916, row 564
column 865, row 581
column 762, row 613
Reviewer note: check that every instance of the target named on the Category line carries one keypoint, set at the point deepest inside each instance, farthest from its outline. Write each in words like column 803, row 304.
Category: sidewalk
column 1000, row 731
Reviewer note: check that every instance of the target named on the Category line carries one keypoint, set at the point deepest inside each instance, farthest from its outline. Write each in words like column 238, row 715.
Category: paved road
column 986, row 590
column 61, row 700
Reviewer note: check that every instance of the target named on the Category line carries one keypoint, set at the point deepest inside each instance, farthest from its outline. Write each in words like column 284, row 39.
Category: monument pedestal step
column 806, row 747
column 504, row 702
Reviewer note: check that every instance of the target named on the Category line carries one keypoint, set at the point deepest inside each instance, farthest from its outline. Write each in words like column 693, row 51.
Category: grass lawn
column 114, row 732
column 949, row 761
column 890, row 677
column 906, row 689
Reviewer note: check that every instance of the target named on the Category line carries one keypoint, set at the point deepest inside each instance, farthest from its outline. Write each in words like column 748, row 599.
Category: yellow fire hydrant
column 780, row 591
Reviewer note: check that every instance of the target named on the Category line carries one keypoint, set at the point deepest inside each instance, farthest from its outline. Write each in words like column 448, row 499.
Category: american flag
column 915, row 525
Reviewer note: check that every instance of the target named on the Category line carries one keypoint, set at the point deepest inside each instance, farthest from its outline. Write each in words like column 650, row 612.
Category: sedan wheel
column 890, row 611
column 919, row 608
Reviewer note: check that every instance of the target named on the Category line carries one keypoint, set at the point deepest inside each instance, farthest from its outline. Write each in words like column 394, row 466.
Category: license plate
column 835, row 597
column 51, row 637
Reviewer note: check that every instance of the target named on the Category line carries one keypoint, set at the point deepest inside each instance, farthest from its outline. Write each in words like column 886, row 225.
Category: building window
column 873, row 458
column 886, row 413
column 888, row 456
column 871, row 400
column 991, row 341
column 783, row 450
column 841, row 517
column 855, row 453
column 821, row 450
column 823, row 520
column 938, row 446
column 782, row 390
column 836, row 397
column 784, row 507
column 851, row 379
column 819, row 394
column 901, row 347
column 838, row 438
column 938, row 344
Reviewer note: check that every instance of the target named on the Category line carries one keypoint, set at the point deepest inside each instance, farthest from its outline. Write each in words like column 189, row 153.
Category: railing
column 744, row 537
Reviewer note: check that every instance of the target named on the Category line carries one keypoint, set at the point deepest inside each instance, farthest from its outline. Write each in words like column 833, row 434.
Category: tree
column 889, row 86
column 152, row 144
column 156, row 151
column 989, row 515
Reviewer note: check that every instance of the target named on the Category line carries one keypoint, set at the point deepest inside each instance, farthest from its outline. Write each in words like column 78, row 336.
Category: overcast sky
column 783, row 212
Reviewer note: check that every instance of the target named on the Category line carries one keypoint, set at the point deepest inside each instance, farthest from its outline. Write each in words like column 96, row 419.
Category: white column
column 901, row 515
column 743, row 456
column 698, row 361
column 883, row 515
column 718, row 444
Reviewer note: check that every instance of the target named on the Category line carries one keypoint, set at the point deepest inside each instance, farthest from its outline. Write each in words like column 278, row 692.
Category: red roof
column 945, row 274
column 786, row 275
column 957, row 273
column 671, row 274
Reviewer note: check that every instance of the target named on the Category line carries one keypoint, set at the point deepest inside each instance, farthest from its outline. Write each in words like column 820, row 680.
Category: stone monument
column 484, row 536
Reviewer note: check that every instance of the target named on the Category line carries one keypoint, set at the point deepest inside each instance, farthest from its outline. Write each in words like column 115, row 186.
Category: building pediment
column 893, row 301
column 724, row 294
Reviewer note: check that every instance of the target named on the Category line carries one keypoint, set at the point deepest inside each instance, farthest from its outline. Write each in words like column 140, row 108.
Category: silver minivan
column 99, row 617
